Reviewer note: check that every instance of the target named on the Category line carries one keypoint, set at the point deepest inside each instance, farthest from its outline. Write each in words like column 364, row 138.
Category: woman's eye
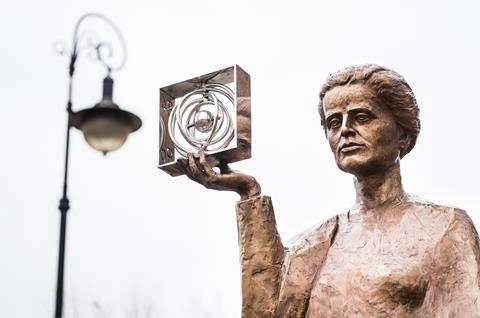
column 334, row 123
column 362, row 118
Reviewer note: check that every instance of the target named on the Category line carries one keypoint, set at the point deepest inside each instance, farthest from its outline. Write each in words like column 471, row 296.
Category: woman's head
column 390, row 89
column 370, row 118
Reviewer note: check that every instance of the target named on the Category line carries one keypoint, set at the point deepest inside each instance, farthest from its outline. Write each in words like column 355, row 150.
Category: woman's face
column 363, row 134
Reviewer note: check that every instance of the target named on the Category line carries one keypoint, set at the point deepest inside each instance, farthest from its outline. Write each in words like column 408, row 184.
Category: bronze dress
column 424, row 262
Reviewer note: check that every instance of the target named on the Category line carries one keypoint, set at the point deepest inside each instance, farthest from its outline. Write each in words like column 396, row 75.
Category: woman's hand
column 227, row 180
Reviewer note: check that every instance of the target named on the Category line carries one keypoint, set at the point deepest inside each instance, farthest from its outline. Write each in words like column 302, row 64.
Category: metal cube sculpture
column 212, row 113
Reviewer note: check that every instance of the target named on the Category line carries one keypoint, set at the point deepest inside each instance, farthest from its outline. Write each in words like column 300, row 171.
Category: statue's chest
column 372, row 274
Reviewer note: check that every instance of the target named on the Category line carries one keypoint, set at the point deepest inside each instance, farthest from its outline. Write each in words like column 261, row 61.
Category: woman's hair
column 391, row 90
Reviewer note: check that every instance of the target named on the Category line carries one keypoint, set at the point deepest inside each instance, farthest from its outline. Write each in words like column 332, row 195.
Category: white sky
column 137, row 235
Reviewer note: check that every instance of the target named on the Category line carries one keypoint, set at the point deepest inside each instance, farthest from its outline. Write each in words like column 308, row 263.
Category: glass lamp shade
column 105, row 134
column 105, row 127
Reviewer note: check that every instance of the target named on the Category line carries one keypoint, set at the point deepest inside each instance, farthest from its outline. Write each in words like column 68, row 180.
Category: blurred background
column 143, row 244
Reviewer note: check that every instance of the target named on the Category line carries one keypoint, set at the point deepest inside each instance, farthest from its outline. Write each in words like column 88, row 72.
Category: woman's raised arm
column 261, row 250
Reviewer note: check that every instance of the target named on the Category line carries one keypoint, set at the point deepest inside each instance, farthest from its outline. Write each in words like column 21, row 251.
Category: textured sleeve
column 455, row 280
column 261, row 256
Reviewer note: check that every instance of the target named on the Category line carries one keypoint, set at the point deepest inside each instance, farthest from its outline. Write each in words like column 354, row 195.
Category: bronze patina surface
column 391, row 255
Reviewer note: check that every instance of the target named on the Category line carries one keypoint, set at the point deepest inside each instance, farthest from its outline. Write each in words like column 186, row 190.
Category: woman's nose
column 346, row 129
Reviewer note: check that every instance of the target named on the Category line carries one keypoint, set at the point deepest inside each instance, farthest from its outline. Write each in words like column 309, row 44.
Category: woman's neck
column 380, row 189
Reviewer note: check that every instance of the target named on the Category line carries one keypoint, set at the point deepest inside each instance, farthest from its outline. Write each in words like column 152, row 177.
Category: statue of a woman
column 391, row 255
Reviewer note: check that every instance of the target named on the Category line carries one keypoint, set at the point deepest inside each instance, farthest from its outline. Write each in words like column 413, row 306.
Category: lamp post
column 105, row 126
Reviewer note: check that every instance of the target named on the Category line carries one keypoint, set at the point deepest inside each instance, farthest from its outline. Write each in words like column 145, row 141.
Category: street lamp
column 105, row 126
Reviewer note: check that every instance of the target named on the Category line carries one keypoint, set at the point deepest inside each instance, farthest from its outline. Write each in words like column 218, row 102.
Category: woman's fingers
column 227, row 180
column 186, row 169
column 195, row 172
column 205, row 166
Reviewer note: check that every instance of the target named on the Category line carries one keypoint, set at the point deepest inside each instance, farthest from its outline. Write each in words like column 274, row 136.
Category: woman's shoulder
column 447, row 218
column 421, row 202
column 434, row 210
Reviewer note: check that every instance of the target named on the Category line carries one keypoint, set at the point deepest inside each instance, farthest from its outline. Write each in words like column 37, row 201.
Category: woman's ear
column 404, row 142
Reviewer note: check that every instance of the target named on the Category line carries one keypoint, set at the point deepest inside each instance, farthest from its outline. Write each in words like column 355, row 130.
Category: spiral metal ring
column 203, row 120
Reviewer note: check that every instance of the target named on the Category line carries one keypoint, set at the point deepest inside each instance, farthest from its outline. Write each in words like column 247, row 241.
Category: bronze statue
column 391, row 255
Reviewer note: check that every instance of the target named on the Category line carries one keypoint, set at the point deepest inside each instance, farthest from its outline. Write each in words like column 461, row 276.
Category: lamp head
column 105, row 126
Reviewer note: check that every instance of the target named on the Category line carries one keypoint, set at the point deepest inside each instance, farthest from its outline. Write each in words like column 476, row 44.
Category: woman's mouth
column 349, row 147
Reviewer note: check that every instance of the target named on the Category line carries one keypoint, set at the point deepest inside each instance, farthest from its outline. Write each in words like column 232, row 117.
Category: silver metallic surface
column 204, row 135
column 209, row 113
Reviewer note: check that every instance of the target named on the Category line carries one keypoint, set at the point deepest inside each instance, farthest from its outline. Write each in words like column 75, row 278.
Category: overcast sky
column 135, row 234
